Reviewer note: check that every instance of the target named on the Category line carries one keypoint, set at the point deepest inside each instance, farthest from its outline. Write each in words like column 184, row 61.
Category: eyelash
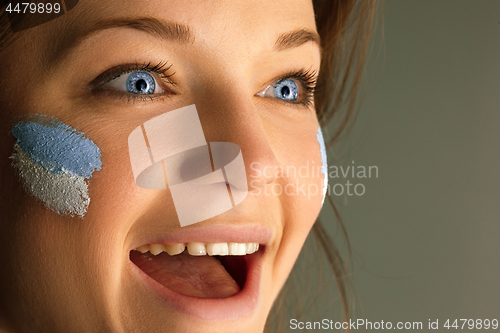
column 307, row 78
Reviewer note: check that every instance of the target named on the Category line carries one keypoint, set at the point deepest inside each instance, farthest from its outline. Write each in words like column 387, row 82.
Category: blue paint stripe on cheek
column 58, row 147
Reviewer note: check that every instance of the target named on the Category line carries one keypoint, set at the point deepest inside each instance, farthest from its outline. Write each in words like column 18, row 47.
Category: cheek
column 300, row 177
column 116, row 200
column 304, row 174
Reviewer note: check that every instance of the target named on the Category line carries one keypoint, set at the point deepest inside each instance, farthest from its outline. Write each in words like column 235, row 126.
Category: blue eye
column 286, row 90
column 135, row 83
column 140, row 83
column 296, row 87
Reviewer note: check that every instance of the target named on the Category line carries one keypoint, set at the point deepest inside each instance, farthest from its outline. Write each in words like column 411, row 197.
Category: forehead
column 212, row 22
column 210, row 14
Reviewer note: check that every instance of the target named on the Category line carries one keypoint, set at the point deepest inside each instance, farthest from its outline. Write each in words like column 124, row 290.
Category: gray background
column 425, row 234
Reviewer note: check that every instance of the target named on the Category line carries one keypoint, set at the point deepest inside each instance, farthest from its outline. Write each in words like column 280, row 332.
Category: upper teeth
column 201, row 249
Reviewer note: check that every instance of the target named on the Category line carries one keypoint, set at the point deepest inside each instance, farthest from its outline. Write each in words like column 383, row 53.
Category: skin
column 71, row 274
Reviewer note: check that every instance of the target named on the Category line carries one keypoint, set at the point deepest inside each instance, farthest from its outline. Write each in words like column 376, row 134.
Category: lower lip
column 240, row 305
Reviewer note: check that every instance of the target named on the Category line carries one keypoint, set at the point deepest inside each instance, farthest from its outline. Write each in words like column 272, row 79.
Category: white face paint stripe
column 324, row 162
column 63, row 193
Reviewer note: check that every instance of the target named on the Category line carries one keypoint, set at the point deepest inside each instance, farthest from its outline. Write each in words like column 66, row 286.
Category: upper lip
column 212, row 234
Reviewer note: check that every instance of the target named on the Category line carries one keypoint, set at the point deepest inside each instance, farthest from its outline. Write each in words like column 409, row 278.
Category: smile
column 206, row 278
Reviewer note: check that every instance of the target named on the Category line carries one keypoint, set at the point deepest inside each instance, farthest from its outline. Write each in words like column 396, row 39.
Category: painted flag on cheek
column 54, row 161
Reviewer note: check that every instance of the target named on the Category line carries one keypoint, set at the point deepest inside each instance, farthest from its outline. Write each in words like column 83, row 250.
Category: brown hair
column 345, row 28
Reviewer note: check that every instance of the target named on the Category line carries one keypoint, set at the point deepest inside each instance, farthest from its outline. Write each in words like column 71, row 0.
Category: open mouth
column 205, row 270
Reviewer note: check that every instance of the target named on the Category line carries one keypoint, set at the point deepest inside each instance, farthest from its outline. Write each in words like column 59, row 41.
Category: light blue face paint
column 324, row 162
column 57, row 147
column 53, row 160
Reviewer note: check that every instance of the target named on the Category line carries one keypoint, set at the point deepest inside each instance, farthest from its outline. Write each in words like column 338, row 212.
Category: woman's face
column 81, row 274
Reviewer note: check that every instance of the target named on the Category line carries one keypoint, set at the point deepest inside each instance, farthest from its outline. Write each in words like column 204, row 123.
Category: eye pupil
column 285, row 91
column 141, row 83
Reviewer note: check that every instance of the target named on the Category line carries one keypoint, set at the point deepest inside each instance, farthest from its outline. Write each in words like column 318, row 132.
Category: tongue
column 198, row 276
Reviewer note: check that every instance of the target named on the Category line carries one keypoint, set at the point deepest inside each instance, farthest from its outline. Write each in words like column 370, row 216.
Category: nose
column 172, row 150
column 234, row 117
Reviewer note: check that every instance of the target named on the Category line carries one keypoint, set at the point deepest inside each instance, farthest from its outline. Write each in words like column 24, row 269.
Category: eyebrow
column 159, row 28
column 296, row 38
